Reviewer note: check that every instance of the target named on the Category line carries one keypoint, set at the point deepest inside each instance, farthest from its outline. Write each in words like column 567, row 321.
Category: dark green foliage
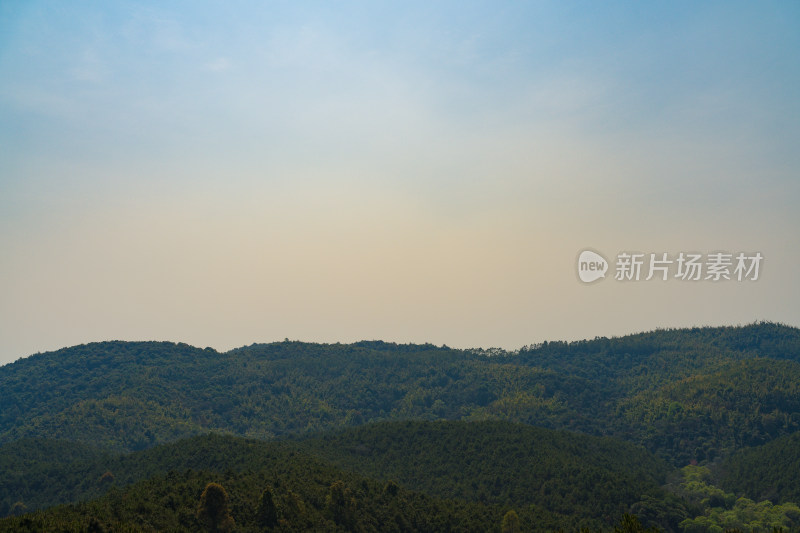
column 112, row 394
column 704, row 417
column 768, row 472
column 213, row 510
column 267, row 513
column 502, row 463
column 665, row 512
column 307, row 494
column 41, row 472
column 642, row 357
column 631, row 524
column 510, row 523
column 95, row 526
column 695, row 394
column 340, row 505
column 130, row 396
column 83, row 479
column 561, row 478
column 18, row 509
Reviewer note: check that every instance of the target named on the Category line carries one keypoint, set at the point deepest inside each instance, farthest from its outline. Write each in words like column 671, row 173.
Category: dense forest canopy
column 536, row 431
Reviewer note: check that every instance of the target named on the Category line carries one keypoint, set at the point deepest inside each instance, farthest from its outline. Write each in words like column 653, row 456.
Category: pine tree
column 213, row 510
column 267, row 514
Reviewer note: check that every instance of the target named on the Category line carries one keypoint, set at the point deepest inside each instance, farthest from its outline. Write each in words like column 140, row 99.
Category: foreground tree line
column 443, row 476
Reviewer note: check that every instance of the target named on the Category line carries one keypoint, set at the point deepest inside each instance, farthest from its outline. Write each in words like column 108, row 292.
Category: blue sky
column 227, row 173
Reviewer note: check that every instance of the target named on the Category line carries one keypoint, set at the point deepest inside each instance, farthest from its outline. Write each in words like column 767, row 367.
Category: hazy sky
column 223, row 173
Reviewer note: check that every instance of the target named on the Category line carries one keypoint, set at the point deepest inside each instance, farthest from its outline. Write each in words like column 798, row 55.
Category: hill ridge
column 132, row 395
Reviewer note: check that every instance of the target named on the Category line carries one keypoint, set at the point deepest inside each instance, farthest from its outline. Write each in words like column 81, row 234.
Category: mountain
column 352, row 437
column 661, row 389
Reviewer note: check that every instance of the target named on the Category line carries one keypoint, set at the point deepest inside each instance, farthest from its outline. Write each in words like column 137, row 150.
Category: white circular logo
column 591, row 266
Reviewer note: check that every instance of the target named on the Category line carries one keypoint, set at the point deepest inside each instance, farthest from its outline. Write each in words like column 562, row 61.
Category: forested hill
column 497, row 462
column 551, row 478
column 685, row 394
column 263, row 486
column 453, row 476
column 770, row 472
column 646, row 359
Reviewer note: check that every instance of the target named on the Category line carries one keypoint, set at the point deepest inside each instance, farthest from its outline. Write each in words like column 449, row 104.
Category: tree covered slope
column 564, row 434
column 771, row 471
column 161, row 489
column 685, row 394
column 502, row 463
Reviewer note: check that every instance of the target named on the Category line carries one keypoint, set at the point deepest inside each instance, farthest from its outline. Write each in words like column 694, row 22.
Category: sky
column 224, row 173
